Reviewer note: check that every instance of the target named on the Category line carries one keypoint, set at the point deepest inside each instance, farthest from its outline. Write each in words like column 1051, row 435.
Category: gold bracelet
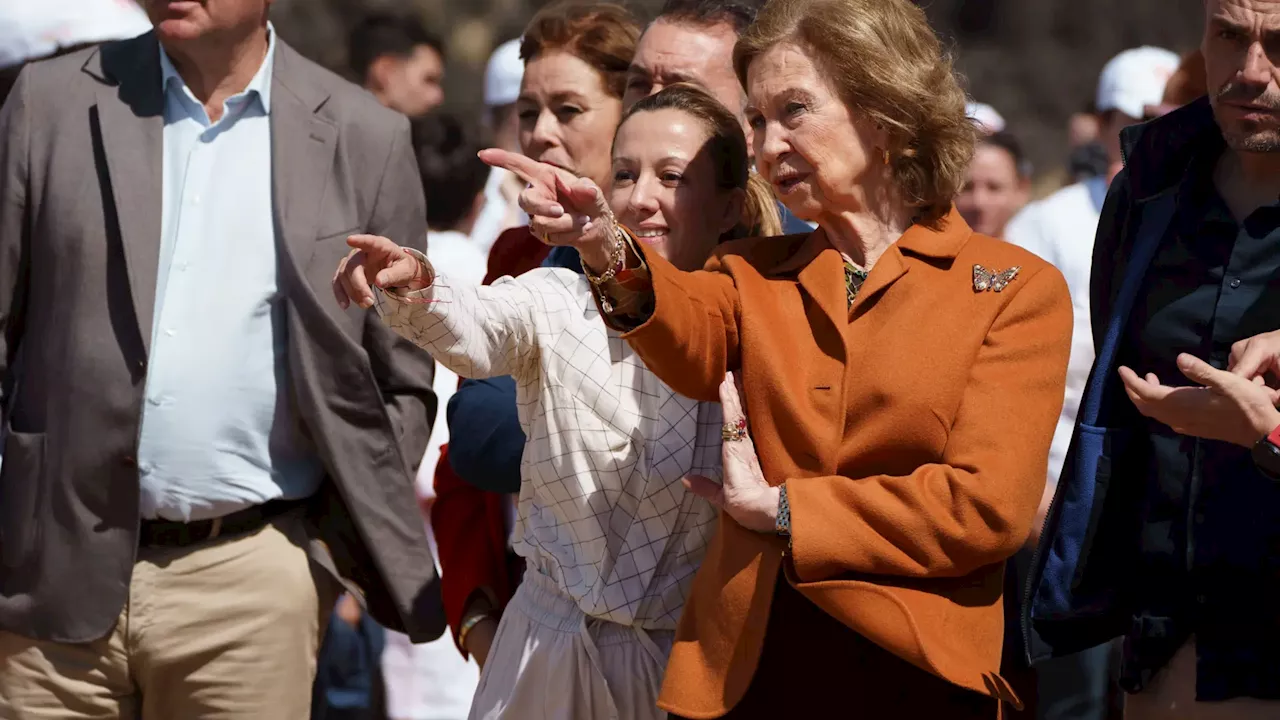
column 617, row 256
column 468, row 625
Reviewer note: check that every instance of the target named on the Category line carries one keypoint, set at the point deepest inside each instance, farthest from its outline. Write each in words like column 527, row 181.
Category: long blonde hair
column 727, row 147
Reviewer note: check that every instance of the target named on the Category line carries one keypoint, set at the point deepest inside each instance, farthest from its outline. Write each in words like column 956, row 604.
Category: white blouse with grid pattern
column 602, row 510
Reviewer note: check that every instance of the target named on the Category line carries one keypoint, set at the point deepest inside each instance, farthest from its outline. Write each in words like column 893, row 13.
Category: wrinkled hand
column 1227, row 407
column 744, row 494
column 372, row 256
column 563, row 209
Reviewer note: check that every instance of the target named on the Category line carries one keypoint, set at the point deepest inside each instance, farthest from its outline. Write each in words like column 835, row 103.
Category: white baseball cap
column 985, row 117
column 1134, row 80
column 503, row 74
column 31, row 29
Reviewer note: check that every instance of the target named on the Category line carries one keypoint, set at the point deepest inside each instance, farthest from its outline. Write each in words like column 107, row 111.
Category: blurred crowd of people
column 730, row 369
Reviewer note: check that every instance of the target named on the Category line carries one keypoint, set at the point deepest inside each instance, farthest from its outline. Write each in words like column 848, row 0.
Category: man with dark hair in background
column 399, row 62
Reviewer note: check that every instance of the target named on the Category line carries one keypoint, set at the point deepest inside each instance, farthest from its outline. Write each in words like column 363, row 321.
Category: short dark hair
column 738, row 13
column 383, row 34
column 452, row 174
column 1006, row 141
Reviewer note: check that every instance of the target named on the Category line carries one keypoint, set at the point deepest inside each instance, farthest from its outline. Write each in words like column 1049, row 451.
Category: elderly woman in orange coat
column 901, row 376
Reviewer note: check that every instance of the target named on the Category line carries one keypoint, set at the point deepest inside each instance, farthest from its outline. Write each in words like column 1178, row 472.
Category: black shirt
column 1209, row 561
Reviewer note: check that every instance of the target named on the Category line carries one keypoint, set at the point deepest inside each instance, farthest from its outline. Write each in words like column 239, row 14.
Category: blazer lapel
column 303, row 144
column 823, row 279
column 130, row 116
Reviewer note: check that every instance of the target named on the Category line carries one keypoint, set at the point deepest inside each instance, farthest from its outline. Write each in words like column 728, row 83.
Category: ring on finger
column 734, row 431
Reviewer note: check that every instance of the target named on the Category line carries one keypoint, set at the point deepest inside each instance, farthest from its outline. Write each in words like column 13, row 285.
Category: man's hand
column 1257, row 357
column 372, row 256
column 744, row 495
column 1227, row 407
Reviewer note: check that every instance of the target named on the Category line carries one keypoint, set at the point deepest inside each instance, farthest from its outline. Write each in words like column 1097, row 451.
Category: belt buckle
column 215, row 527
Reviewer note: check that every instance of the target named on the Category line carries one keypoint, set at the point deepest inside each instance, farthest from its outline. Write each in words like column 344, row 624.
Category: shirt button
column 1235, row 283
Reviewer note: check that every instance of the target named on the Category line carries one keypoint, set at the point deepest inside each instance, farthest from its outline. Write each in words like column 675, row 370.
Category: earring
column 886, row 157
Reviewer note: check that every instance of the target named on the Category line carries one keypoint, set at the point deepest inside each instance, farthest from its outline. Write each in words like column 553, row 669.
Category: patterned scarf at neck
column 854, row 276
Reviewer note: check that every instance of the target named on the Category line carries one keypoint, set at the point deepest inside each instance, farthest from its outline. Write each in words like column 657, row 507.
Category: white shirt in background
column 431, row 681
column 1061, row 229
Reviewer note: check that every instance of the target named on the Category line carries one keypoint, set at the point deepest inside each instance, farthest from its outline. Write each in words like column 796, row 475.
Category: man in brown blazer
column 197, row 441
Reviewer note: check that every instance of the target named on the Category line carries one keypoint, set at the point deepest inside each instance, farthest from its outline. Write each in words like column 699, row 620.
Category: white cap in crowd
column 985, row 117
column 1134, row 80
column 503, row 74
column 31, row 29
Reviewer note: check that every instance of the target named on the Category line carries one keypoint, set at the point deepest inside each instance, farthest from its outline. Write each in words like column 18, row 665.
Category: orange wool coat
column 912, row 431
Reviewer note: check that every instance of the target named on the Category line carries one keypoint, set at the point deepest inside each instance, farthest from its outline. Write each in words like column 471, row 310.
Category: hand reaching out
column 388, row 264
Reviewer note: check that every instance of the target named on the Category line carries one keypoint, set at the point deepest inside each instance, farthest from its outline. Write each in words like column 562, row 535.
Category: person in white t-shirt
column 1061, row 229
column 433, row 681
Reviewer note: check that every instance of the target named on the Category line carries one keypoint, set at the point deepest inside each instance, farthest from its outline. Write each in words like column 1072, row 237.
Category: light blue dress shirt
column 219, row 432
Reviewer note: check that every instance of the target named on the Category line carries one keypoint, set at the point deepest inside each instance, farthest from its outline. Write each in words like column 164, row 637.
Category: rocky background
column 1036, row 61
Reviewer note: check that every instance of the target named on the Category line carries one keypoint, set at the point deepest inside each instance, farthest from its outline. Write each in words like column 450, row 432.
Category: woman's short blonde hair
column 885, row 61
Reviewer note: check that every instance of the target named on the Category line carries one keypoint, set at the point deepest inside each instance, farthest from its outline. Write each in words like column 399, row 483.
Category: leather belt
column 168, row 533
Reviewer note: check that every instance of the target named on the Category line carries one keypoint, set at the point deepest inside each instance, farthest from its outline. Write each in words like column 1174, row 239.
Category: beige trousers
column 1171, row 695
column 228, row 629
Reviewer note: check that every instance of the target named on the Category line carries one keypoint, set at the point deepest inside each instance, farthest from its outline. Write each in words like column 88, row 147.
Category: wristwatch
column 1266, row 455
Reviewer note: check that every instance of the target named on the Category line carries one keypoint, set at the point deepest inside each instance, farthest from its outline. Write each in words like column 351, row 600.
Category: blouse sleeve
column 976, row 506
column 475, row 331
column 684, row 325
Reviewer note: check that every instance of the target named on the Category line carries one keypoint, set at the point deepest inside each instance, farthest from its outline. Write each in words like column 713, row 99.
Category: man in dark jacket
column 1169, row 540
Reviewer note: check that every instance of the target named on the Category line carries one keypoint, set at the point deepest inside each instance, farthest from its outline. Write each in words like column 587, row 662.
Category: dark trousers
column 813, row 666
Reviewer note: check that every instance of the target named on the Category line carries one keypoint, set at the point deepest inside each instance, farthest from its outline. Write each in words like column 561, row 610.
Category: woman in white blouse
column 610, row 535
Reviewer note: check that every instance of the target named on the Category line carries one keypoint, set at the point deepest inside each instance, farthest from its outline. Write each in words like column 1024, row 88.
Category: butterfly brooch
column 984, row 279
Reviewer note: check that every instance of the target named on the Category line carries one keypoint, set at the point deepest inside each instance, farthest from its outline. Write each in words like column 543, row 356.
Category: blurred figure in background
column 501, row 212
column 998, row 184
column 1086, row 155
column 1061, row 229
column 1188, row 83
column 36, row 29
column 986, row 118
column 432, row 681
column 399, row 62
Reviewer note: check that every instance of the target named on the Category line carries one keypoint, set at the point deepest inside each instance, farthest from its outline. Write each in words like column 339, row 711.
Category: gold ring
column 734, row 431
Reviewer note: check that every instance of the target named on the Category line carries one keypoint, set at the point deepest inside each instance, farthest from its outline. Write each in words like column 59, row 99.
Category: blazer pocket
column 21, row 487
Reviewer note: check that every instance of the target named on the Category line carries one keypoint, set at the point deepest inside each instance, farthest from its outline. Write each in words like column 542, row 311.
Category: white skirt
column 550, row 661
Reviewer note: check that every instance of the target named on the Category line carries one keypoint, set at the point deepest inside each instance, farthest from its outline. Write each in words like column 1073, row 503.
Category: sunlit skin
column 993, row 192
column 825, row 164
column 672, row 52
column 216, row 45
column 567, row 118
column 664, row 187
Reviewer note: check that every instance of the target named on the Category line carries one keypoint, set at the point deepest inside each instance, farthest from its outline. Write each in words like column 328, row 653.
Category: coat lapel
column 130, row 115
column 302, row 148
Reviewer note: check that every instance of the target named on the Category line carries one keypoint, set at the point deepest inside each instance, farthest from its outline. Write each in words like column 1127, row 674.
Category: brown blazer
column 81, row 145
column 912, row 431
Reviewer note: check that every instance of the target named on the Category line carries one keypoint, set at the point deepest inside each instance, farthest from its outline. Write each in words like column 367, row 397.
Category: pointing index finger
column 527, row 169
